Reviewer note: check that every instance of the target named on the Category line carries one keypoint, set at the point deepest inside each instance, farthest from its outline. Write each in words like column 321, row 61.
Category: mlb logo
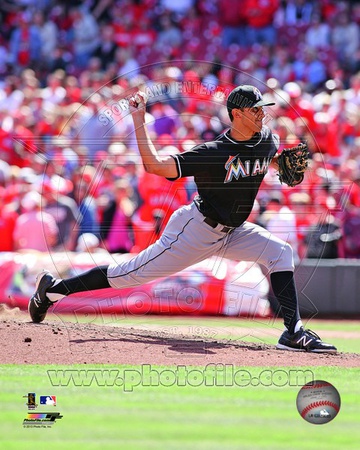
column 49, row 400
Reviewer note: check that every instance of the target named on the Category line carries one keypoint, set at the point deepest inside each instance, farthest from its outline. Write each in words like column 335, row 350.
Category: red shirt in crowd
column 260, row 13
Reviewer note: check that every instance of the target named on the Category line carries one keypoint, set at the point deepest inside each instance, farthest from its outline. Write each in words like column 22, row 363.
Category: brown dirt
column 23, row 342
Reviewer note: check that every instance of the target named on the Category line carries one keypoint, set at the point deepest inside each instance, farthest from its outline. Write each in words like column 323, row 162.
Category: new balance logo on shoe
column 304, row 341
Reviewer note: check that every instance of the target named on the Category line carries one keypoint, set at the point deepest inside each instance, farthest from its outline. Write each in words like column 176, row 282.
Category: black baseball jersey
column 228, row 174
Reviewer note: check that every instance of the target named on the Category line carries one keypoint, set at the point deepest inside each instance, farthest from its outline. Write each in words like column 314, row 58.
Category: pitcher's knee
column 282, row 259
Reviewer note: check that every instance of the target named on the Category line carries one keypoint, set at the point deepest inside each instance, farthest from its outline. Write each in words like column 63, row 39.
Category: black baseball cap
column 245, row 96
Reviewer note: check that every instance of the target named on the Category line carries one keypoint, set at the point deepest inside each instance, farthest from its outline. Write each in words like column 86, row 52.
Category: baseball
column 140, row 100
column 318, row 402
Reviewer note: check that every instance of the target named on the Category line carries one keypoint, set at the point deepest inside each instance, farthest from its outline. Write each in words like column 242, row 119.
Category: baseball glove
column 292, row 164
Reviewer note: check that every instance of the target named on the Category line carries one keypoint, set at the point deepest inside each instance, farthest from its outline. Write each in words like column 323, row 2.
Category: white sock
column 53, row 296
column 298, row 325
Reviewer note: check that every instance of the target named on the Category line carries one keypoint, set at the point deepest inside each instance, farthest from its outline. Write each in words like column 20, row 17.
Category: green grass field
column 186, row 415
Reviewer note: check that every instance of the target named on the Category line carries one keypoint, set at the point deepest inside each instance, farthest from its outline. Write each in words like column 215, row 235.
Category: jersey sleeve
column 192, row 162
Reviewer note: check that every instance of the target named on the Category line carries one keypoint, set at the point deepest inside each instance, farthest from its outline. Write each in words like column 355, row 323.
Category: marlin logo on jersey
column 236, row 168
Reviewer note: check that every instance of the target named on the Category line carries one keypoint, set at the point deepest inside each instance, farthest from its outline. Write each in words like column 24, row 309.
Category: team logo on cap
column 257, row 93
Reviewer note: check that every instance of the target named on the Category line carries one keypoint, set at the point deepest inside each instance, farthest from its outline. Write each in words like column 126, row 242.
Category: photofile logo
column 41, row 420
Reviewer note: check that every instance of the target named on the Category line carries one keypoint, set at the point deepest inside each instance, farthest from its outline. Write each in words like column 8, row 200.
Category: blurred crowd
column 71, row 178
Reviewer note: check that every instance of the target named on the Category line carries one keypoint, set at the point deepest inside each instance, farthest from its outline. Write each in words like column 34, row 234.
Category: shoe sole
column 291, row 349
